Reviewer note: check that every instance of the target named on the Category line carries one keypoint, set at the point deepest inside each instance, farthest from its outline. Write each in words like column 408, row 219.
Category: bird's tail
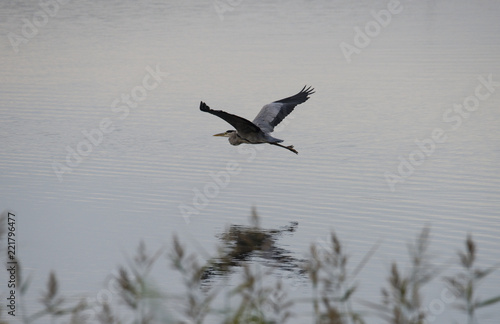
column 271, row 139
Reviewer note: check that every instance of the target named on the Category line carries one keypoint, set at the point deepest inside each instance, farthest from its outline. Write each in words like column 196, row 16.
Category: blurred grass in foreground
column 252, row 299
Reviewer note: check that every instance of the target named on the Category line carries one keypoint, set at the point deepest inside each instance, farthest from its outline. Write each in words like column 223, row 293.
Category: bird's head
column 226, row 133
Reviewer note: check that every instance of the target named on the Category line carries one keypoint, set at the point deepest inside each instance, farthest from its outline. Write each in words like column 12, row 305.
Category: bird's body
column 258, row 131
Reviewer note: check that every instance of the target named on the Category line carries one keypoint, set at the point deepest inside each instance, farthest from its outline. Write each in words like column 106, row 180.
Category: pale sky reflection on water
column 362, row 121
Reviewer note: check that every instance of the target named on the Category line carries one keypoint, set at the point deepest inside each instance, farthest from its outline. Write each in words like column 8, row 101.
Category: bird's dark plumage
column 272, row 114
column 299, row 98
column 258, row 130
column 241, row 124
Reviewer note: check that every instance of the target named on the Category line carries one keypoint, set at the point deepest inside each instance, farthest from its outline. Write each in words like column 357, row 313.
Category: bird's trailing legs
column 290, row 148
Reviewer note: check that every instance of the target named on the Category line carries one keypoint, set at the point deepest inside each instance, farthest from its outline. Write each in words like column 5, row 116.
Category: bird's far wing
column 272, row 114
column 242, row 125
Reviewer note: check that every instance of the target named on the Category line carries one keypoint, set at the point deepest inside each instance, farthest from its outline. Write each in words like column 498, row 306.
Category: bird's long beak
column 221, row 134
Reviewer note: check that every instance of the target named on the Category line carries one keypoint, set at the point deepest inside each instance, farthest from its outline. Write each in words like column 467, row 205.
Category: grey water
column 102, row 144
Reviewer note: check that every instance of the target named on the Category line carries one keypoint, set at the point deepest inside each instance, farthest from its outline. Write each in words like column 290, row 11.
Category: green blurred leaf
column 488, row 302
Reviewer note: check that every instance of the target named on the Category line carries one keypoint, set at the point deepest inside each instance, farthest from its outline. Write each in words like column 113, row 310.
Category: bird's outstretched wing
column 272, row 114
column 242, row 125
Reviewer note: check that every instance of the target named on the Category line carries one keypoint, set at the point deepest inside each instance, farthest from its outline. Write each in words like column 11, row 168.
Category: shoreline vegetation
column 258, row 297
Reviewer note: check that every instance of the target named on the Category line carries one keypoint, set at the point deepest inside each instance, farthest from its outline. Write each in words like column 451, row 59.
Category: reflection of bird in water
column 258, row 131
column 242, row 243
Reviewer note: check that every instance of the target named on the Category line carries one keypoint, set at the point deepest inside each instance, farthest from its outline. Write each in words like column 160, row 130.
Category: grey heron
column 258, row 131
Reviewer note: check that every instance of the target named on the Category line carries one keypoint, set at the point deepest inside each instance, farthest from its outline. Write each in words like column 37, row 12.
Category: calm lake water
column 102, row 144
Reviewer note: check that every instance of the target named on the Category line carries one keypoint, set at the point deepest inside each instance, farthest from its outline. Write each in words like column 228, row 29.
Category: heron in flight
column 258, row 131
